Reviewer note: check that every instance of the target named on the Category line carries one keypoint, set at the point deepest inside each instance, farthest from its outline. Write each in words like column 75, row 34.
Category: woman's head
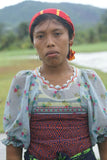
column 49, row 16
column 52, row 14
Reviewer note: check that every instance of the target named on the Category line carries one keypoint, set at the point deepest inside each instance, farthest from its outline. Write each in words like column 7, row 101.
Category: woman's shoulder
column 89, row 73
column 24, row 73
column 92, row 77
column 23, row 76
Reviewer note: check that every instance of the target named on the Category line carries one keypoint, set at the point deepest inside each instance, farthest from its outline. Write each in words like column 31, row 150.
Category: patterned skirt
column 86, row 155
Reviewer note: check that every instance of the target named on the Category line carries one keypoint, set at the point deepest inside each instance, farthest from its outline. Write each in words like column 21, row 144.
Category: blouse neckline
column 57, row 87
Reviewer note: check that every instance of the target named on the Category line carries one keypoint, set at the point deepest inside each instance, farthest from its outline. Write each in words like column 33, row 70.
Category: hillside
column 82, row 15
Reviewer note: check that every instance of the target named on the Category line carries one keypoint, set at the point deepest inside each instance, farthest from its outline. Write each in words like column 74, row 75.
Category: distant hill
column 82, row 15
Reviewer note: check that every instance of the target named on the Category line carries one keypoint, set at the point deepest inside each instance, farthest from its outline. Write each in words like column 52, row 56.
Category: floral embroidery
column 86, row 85
column 24, row 133
column 18, row 123
column 103, row 96
column 17, row 90
column 92, row 76
column 76, row 94
column 79, row 84
column 99, row 130
column 78, row 100
column 94, row 102
column 26, row 93
column 105, row 110
column 57, row 94
column 31, row 86
column 6, row 119
column 8, row 103
column 27, row 108
column 45, row 86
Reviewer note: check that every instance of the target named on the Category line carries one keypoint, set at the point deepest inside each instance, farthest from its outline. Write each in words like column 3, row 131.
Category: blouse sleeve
column 97, row 106
column 17, row 111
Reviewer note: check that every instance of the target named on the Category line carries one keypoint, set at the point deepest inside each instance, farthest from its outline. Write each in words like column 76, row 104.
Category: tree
column 102, row 28
column 2, row 28
column 104, row 19
column 22, row 30
column 7, row 40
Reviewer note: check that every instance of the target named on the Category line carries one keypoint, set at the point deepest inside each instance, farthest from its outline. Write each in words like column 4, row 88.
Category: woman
column 56, row 112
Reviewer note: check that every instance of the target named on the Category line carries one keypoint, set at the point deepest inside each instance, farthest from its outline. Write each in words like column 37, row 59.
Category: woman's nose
column 50, row 42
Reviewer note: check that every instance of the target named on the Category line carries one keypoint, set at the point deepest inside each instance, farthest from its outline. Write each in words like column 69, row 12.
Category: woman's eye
column 40, row 36
column 57, row 33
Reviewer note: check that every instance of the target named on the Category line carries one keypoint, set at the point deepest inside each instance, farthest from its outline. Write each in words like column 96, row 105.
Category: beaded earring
column 71, row 55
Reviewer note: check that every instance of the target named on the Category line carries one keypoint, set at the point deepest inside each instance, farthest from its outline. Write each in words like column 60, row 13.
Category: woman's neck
column 55, row 70
column 57, row 75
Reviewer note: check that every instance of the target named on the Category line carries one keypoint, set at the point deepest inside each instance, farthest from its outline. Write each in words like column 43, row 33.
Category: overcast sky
column 96, row 3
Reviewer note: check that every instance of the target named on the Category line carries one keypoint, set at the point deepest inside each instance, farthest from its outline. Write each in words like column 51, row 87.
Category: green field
column 95, row 47
column 11, row 62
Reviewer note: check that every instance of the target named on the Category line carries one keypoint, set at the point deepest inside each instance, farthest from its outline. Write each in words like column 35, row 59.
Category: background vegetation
column 90, row 23
column 18, row 38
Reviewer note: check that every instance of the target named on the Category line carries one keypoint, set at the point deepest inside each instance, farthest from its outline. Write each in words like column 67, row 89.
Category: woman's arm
column 103, row 149
column 13, row 153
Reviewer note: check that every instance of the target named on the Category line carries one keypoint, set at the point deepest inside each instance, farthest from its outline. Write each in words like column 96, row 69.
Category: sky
column 95, row 3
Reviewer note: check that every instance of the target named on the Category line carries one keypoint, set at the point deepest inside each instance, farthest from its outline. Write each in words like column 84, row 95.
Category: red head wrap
column 59, row 13
column 55, row 12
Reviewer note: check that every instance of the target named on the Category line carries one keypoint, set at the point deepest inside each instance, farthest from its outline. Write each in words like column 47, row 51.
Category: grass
column 95, row 47
column 8, row 58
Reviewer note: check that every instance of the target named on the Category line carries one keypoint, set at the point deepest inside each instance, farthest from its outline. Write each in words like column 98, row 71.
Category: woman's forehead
column 45, row 24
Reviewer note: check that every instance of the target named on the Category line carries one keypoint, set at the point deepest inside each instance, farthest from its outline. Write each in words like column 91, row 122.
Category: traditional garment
column 45, row 119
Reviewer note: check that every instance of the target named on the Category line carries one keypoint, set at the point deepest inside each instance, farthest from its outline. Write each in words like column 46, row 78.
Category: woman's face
column 51, row 40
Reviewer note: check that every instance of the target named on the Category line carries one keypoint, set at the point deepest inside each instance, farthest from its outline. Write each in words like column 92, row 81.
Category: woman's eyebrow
column 58, row 29
column 43, row 31
column 38, row 32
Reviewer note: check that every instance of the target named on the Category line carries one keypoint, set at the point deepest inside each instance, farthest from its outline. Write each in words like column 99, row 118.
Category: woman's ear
column 72, row 39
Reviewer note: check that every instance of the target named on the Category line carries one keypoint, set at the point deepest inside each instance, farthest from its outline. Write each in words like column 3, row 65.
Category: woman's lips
column 52, row 53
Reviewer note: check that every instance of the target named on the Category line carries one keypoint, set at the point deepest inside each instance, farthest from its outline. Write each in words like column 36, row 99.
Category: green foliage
column 104, row 19
column 22, row 30
column 102, row 28
column 1, row 29
column 7, row 40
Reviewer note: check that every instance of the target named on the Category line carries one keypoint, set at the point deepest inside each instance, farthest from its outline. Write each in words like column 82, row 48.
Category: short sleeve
column 97, row 106
column 17, row 111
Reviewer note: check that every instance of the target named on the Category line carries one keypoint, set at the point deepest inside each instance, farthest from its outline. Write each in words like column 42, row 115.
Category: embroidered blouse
column 30, row 93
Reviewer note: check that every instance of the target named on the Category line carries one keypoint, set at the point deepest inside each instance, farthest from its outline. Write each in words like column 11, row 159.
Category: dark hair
column 47, row 16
